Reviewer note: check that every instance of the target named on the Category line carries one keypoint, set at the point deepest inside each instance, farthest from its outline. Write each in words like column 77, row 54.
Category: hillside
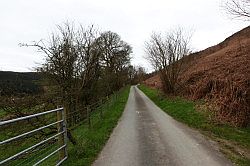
column 13, row 83
column 221, row 75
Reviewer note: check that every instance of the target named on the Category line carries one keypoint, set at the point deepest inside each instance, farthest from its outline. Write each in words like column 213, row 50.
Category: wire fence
column 84, row 113
column 74, row 118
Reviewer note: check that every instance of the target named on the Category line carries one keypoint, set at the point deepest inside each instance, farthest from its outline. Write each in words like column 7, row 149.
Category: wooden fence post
column 101, row 107
column 107, row 101
column 60, row 128
column 88, row 115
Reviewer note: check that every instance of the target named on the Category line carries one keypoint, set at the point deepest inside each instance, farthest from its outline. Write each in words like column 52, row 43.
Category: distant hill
column 220, row 74
column 16, row 83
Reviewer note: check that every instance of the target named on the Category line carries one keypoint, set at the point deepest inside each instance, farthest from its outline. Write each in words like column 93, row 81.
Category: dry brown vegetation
column 221, row 75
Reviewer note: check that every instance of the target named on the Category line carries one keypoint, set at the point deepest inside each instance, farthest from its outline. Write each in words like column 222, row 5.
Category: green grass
column 184, row 111
column 2, row 113
column 91, row 141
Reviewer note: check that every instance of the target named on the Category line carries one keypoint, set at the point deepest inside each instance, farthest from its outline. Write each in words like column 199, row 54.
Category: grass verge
column 91, row 141
column 234, row 142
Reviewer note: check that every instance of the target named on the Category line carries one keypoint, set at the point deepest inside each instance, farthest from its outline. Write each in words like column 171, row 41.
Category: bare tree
column 77, row 60
column 115, row 60
column 88, row 67
column 239, row 9
column 165, row 53
column 137, row 74
column 71, row 63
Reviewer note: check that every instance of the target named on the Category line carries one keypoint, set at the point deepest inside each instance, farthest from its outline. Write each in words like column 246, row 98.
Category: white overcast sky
column 24, row 21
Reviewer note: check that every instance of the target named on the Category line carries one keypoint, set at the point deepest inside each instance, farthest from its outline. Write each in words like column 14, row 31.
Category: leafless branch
column 238, row 9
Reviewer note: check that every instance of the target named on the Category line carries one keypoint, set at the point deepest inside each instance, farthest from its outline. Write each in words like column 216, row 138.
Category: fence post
column 60, row 127
column 88, row 116
column 107, row 101
column 65, row 133
column 101, row 107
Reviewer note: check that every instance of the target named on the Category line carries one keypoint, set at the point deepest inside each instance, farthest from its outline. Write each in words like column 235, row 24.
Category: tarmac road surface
column 147, row 136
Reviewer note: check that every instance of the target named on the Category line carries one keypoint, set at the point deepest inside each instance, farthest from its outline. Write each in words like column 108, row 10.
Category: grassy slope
column 91, row 141
column 184, row 111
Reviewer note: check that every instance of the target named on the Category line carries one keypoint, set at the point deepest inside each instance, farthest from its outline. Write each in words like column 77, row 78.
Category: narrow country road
column 146, row 136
